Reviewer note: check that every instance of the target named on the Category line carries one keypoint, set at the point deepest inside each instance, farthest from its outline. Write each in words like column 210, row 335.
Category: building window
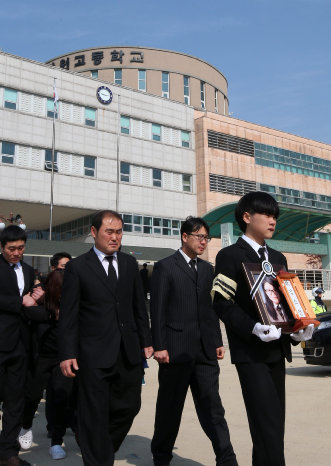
column 89, row 166
column 175, row 224
column 142, row 80
column 165, row 84
column 156, row 132
column 157, row 178
column 7, row 152
column 216, row 100
column 157, row 222
column 48, row 160
column 166, row 226
column 127, row 222
column 203, row 94
column 10, row 98
column 125, row 172
column 90, row 116
column 137, row 223
column 118, row 76
column 94, row 74
column 50, row 108
column 125, row 125
column 187, row 183
column 187, row 90
column 185, row 139
column 148, row 229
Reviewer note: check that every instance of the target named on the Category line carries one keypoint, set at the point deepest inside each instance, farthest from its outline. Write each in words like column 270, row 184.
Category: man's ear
column 247, row 218
column 93, row 232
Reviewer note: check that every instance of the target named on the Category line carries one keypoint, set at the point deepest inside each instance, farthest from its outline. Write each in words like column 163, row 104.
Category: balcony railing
column 311, row 278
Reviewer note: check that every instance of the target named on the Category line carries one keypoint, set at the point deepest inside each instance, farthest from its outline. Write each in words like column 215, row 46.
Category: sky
column 275, row 54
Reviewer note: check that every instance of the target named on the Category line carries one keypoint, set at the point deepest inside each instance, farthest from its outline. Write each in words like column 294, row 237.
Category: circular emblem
column 104, row 95
column 267, row 268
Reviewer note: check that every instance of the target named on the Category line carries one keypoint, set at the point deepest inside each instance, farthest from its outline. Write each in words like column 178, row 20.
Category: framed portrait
column 268, row 298
column 297, row 300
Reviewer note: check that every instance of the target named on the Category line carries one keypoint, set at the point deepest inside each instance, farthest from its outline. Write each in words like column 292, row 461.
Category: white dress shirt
column 256, row 246
column 105, row 262
column 188, row 259
column 20, row 277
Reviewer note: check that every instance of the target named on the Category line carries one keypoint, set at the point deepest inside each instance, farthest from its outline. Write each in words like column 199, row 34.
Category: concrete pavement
column 308, row 425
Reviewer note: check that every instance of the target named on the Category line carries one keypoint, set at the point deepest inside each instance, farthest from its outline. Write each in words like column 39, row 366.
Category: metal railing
column 311, row 278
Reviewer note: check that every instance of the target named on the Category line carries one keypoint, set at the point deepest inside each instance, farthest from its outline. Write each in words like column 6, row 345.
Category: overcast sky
column 275, row 54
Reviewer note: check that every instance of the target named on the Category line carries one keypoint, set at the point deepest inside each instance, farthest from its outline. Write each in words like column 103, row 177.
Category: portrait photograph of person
column 274, row 300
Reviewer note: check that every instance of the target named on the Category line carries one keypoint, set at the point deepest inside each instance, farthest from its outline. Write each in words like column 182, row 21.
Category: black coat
column 240, row 315
column 94, row 319
column 182, row 314
column 13, row 326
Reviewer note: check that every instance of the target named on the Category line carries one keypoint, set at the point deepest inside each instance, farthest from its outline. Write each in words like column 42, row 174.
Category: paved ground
column 308, row 427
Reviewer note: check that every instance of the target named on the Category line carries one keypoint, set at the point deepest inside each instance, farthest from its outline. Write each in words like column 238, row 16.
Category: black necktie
column 261, row 252
column 279, row 309
column 112, row 276
column 192, row 265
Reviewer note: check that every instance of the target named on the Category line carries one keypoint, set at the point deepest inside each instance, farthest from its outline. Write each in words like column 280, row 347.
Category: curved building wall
column 173, row 75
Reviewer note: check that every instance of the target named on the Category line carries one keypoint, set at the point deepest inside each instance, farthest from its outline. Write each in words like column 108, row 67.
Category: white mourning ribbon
column 267, row 270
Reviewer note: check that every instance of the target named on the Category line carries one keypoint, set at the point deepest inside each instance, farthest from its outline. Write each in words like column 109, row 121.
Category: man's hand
column 28, row 301
column 303, row 334
column 162, row 357
column 220, row 352
column 66, row 367
column 148, row 352
column 266, row 333
column 37, row 293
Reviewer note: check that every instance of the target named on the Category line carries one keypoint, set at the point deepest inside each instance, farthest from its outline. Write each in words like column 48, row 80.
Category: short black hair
column 255, row 202
column 58, row 256
column 193, row 224
column 12, row 233
column 99, row 216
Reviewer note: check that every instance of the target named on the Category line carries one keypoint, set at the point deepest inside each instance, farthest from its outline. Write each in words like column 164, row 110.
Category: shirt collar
column 256, row 246
column 102, row 255
column 186, row 257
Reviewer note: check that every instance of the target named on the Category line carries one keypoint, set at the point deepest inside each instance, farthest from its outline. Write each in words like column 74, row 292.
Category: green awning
column 294, row 223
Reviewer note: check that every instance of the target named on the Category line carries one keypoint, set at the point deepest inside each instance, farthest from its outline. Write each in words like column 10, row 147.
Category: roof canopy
column 293, row 224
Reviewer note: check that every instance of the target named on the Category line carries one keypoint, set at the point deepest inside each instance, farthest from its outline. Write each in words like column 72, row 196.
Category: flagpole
column 53, row 159
column 118, row 154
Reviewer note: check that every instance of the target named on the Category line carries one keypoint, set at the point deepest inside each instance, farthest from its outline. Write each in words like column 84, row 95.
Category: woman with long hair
column 47, row 369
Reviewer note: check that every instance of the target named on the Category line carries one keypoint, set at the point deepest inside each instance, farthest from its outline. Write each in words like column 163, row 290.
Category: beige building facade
column 171, row 75
column 234, row 157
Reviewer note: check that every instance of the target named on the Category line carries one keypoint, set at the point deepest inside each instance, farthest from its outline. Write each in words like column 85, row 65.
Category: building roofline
column 140, row 47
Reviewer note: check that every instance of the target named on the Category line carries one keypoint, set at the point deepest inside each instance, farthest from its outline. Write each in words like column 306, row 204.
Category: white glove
column 266, row 333
column 304, row 334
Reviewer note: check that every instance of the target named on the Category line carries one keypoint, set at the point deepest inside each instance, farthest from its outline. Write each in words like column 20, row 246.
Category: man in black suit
column 103, row 327
column 16, row 282
column 187, row 342
column 257, row 350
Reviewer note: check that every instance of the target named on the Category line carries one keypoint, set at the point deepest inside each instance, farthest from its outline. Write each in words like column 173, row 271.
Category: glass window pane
column 89, row 162
column 11, row 95
column 147, row 220
column 137, row 219
column 147, row 230
column 127, row 218
column 94, row 74
column 156, row 222
column 125, row 125
column 127, row 227
column 125, row 168
column 8, row 148
column 90, row 113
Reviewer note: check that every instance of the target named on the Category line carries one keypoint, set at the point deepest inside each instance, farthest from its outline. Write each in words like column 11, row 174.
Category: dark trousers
column 12, row 382
column 263, row 388
column 48, row 369
column 108, row 401
column 201, row 375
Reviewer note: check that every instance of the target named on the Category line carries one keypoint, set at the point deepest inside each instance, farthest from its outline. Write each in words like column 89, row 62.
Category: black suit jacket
column 12, row 324
column 239, row 314
column 94, row 318
column 181, row 309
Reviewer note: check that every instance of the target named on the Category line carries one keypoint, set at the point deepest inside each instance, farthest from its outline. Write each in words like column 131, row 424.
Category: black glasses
column 201, row 237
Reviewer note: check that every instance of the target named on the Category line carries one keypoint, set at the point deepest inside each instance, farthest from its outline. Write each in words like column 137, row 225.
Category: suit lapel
column 122, row 268
column 95, row 265
column 26, row 276
column 182, row 264
column 250, row 253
